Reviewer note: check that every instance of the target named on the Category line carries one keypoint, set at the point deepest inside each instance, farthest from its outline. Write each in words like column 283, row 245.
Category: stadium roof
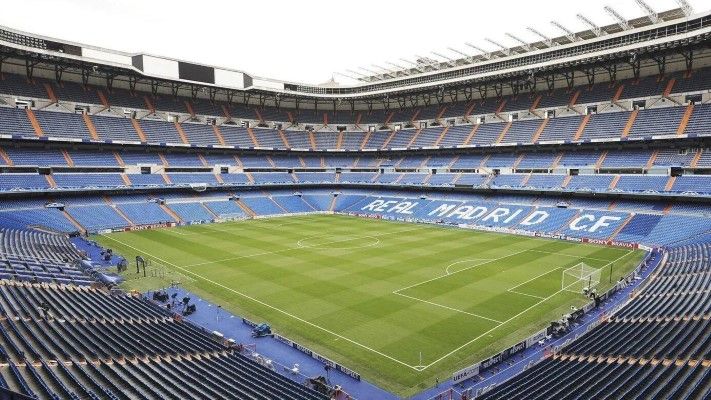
column 625, row 40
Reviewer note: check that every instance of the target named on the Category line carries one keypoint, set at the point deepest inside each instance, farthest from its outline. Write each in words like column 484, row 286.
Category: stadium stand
column 45, row 353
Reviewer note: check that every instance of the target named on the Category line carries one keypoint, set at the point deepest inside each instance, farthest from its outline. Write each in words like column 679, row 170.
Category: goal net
column 580, row 277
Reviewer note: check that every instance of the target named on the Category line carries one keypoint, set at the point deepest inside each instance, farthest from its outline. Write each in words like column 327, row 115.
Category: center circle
column 338, row 242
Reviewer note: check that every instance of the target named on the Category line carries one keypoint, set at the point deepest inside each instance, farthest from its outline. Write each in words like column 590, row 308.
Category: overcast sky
column 307, row 40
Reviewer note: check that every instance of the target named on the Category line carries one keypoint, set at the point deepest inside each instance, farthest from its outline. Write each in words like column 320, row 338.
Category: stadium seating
column 107, row 337
column 38, row 256
column 145, row 213
column 191, row 212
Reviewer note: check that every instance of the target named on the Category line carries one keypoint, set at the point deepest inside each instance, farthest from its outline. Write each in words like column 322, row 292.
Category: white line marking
column 511, row 319
column 264, row 253
column 534, row 278
column 571, row 255
column 456, row 272
column 268, row 305
column 264, row 223
column 491, row 330
column 448, row 308
column 446, row 270
column 526, row 294
column 301, row 244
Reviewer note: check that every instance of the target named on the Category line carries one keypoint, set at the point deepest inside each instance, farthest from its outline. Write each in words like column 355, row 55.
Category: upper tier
column 523, row 119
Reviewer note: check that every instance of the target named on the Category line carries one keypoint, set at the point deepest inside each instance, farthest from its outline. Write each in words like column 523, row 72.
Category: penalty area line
column 448, row 308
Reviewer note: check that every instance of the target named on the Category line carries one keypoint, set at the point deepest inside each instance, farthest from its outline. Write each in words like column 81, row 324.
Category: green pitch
column 402, row 304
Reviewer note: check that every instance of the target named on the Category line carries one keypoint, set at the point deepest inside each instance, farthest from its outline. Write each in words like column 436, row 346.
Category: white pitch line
column 570, row 255
column 526, row 294
column 269, row 306
column 446, row 270
column 489, row 260
column 264, row 253
column 555, row 269
column 456, row 272
column 449, row 308
column 491, row 330
column 254, row 223
column 510, row 319
column 301, row 244
column 534, row 278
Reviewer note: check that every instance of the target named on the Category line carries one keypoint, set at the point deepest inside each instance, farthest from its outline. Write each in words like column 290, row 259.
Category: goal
column 580, row 277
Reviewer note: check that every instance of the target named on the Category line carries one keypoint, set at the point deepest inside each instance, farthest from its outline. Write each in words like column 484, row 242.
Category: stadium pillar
column 284, row 139
column 218, row 134
column 90, row 126
column 365, row 140
column 250, row 132
column 442, row 135
column 581, row 128
column 139, row 130
column 471, row 135
column 685, row 119
column 630, row 123
column 6, row 158
column 33, row 121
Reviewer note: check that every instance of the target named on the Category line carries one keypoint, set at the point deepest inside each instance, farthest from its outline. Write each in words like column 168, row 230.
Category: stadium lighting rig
column 386, row 71
column 548, row 41
column 402, row 69
column 621, row 21
column 454, row 57
column 685, row 7
column 461, row 53
column 504, row 49
column 463, row 58
column 417, row 66
column 369, row 70
column 426, row 61
column 523, row 43
column 593, row 26
column 649, row 11
column 395, row 65
column 568, row 33
column 487, row 55
column 345, row 75
column 448, row 60
column 362, row 75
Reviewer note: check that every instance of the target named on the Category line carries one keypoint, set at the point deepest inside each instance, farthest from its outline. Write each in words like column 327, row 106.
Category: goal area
column 580, row 277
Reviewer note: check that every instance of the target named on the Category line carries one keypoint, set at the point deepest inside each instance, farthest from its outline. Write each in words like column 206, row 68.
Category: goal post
column 580, row 277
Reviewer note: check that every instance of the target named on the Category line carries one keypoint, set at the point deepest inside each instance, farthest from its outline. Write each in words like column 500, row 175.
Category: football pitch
column 399, row 303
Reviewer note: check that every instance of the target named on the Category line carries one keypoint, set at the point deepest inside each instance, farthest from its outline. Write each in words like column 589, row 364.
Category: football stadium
column 531, row 221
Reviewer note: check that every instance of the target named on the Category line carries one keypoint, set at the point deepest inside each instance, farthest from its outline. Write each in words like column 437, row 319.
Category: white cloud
column 304, row 41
